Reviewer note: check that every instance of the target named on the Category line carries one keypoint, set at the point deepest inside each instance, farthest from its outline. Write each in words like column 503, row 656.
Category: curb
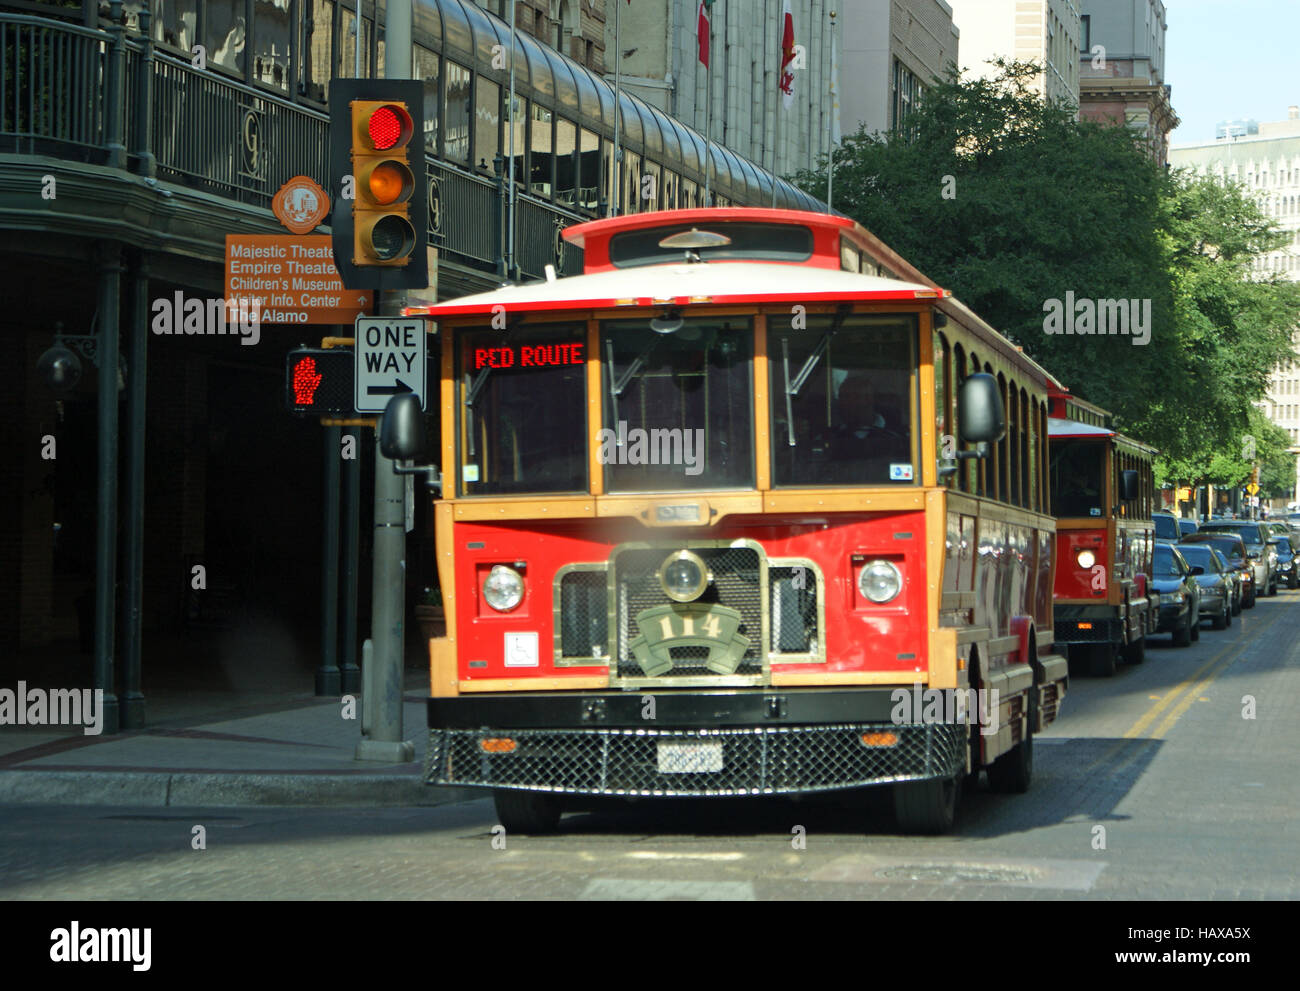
column 163, row 789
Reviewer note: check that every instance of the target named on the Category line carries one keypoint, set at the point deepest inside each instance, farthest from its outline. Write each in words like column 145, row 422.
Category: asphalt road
column 1159, row 783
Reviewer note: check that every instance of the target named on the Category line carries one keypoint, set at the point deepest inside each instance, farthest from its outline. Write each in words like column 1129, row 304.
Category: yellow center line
column 1190, row 696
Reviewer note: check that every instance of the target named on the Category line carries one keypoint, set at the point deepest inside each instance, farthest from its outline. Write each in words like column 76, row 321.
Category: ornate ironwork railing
column 102, row 97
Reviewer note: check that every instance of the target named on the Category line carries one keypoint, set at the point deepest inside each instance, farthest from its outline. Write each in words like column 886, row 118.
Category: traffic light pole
column 382, row 678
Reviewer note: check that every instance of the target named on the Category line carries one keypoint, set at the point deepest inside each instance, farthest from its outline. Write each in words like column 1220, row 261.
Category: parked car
column 1255, row 533
column 1166, row 525
column 1234, row 581
column 1233, row 548
column 1288, row 568
column 1180, row 595
column 1216, row 585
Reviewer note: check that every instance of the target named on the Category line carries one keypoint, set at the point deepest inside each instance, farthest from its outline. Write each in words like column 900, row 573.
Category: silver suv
column 1263, row 556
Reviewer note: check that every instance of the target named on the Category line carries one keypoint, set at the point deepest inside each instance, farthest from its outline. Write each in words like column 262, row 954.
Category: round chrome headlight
column 683, row 576
column 880, row 581
column 1086, row 558
column 503, row 589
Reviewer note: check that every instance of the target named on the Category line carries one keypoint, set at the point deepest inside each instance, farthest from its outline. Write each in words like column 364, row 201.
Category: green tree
column 1012, row 203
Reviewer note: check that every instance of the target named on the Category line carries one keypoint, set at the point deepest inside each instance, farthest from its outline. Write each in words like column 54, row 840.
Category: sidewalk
column 221, row 749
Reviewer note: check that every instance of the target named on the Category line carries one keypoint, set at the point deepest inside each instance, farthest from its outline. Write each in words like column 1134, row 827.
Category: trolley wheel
column 1101, row 661
column 527, row 811
column 1136, row 651
column 1012, row 772
column 928, row 806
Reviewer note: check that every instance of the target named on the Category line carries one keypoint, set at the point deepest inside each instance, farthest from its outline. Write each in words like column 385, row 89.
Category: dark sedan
column 1180, row 595
column 1234, row 549
column 1215, row 581
column 1288, row 568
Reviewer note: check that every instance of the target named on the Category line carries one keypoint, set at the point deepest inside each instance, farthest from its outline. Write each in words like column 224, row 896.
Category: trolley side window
column 522, row 410
column 844, row 401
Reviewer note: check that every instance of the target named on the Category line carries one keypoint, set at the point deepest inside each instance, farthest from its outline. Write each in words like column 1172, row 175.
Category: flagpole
column 510, row 195
column 708, row 116
column 830, row 162
column 618, row 112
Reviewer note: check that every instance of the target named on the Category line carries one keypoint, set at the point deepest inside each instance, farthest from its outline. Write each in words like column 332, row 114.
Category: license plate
column 689, row 758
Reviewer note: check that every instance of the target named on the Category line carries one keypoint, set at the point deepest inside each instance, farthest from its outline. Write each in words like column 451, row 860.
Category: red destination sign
column 529, row 356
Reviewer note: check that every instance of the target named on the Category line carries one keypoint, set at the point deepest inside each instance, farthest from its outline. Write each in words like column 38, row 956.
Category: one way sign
column 391, row 359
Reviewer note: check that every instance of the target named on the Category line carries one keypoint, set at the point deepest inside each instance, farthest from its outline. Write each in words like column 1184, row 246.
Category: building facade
column 660, row 64
column 1267, row 164
column 133, row 140
column 883, row 74
column 1122, row 69
column 1042, row 31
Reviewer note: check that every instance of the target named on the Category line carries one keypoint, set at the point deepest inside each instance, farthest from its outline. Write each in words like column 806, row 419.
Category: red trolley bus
column 750, row 507
column 1103, row 494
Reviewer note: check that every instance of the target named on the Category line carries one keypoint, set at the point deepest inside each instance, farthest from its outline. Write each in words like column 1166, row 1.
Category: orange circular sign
column 300, row 205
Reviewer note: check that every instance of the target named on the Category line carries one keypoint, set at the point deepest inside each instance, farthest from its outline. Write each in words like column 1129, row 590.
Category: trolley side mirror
column 981, row 416
column 1128, row 484
column 402, row 438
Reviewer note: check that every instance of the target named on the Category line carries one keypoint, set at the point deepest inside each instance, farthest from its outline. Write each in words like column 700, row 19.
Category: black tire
column 527, row 811
column 1012, row 773
column 1136, row 651
column 1183, row 635
column 1249, row 602
column 928, row 807
column 1236, row 605
column 1101, row 661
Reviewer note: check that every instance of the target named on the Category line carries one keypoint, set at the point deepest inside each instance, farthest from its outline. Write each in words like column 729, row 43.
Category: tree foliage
column 1012, row 203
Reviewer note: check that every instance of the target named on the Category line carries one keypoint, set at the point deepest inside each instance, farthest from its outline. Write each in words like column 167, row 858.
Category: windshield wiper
column 480, row 380
column 618, row 383
column 792, row 388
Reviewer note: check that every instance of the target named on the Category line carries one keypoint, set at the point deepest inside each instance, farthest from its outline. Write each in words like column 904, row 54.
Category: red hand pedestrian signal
column 319, row 381
column 305, row 381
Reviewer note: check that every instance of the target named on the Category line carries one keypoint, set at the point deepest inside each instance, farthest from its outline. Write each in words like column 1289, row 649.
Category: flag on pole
column 703, row 29
column 787, row 55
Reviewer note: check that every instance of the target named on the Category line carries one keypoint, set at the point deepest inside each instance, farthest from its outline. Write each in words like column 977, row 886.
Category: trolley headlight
column 880, row 581
column 503, row 589
column 683, row 576
column 1086, row 558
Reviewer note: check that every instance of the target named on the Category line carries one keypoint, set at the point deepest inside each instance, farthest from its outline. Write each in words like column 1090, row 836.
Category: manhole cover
column 950, row 873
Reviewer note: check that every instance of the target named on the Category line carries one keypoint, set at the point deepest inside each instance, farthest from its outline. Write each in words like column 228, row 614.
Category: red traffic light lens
column 388, row 126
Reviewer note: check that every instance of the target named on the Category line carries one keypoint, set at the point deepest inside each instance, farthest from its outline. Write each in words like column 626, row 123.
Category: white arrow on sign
column 391, row 360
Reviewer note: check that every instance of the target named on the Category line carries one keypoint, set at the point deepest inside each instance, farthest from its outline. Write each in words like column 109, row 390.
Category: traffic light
column 318, row 381
column 380, row 187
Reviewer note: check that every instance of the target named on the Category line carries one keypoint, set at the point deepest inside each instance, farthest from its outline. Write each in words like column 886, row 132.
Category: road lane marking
column 1230, row 651
column 639, row 890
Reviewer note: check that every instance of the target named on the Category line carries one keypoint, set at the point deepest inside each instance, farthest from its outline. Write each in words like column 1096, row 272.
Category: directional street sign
column 391, row 359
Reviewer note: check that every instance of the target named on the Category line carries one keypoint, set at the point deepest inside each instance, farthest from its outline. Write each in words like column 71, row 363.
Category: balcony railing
column 98, row 96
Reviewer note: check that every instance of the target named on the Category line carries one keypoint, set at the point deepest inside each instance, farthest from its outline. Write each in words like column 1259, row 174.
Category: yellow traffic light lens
column 388, row 183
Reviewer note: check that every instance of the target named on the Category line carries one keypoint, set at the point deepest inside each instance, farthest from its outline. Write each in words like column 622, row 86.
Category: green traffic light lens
column 392, row 237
